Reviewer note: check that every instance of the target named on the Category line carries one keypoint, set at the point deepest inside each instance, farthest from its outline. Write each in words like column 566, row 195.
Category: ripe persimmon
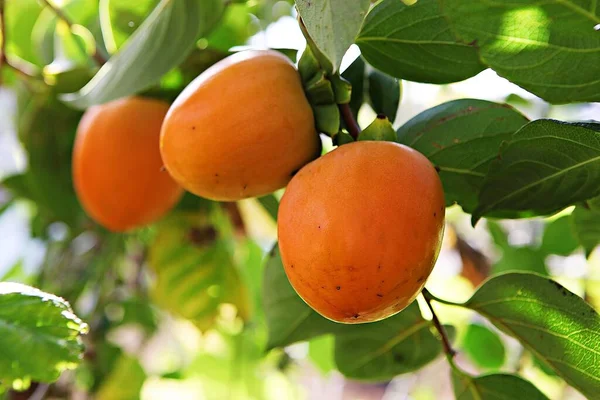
column 241, row 129
column 360, row 230
column 117, row 169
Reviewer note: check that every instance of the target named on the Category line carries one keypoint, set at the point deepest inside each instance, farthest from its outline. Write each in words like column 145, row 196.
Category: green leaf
column 235, row 28
column 521, row 259
column 586, row 224
column 549, row 48
column 120, row 18
column 557, row 326
column 379, row 351
column 546, row 166
column 355, row 74
column 289, row 318
column 194, row 270
column 21, row 17
column 124, row 382
column 461, row 138
column 493, row 387
column 484, row 347
column 321, row 353
column 384, row 93
column 162, row 42
column 380, row 129
column 333, row 25
column 499, row 236
column 270, row 204
column 40, row 337
column 415, row 43
column 559, row 237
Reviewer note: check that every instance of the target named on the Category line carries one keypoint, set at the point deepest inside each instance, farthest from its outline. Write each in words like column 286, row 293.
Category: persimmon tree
column 62, row 63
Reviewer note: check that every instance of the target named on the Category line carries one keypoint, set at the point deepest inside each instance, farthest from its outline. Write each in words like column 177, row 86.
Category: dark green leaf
column 554, row 324
column 461, row 138
column 162, row 42
column 494, row 387
column 384, row 93
column 559, row 237
column 550, row 48
column 521, row 259
column 355, row 74
column 333, row 25
column 289, row 318
column 415, row 43
column 484, row 347
column 546, row 166
column 270, row 204
column 396, row 345
column 39, row 335
column 586, row 224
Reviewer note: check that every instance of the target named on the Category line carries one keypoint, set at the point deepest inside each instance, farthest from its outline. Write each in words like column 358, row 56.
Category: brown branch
column 476, row 266
column 100, row 60
column 349, row 121
column 439, row 327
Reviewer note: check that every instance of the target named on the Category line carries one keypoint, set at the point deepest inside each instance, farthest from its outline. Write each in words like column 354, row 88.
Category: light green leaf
column 40, row 337
column 194, row 270
column 289, row 318
column 557, row 326
column 320, row 352
column 396, row 345
column 124, row 382
column 461, row 138
column 162, row 42
column 120, row 18
column 546, row 166
column 333, row 25
column 484, row 347
column 493, row 387
column 415, row 43
column 586, row 224
column 550, row 48
column 521, row 259
column 559, row 237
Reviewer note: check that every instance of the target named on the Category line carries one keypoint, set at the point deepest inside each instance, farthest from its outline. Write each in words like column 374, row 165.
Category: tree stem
column 62, row 16
column 439, row 327
column 351, row 124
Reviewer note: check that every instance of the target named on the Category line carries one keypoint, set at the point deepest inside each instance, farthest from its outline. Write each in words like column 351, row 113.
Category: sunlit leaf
column 559, row 237
column 416, row 43
column 586, row 223
column 557, row 326
column 124, row 382
column 40, row 337
column 550, row 48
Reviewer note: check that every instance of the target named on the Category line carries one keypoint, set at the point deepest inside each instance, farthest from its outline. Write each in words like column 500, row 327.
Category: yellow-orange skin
column 117, row 169
column 360, row 230
column 241, row 129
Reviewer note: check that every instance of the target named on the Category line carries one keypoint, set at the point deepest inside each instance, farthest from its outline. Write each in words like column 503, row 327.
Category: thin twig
column 100, row 60
column 439, row 327
column 351, row 124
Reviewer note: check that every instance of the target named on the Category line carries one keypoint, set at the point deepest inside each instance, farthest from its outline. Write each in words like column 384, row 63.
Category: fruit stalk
column 450, row 352
column 351, row 124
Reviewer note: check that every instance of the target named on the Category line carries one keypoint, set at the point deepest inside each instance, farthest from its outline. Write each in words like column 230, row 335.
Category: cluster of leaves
column 492, row 161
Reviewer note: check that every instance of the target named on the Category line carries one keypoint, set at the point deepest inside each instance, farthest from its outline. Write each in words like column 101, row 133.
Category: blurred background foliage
column 176, row 310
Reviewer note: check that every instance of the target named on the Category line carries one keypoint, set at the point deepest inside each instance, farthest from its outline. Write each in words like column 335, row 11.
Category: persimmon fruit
column 240, row 129
column 360, row 230
column 117, row 168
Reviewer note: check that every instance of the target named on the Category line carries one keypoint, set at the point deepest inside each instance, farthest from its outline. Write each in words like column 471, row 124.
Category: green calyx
column 380, row 129
column 324, row 92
